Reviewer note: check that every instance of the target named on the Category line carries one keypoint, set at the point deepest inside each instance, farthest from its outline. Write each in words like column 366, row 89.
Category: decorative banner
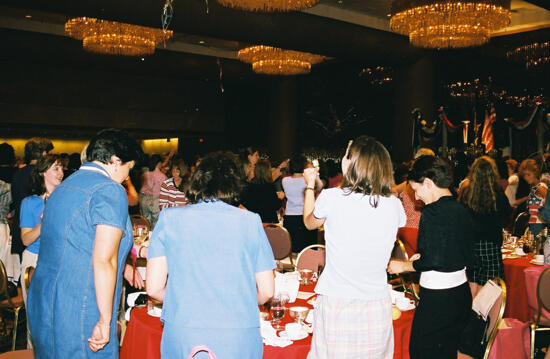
column 444, row 118
column 521, row 125
column 487, row 137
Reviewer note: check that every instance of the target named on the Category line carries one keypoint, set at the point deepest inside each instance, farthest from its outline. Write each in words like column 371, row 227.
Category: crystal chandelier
column 449, row 23
column 533, row 55
column 269, row 60
column 115, row 38
column 269, row 5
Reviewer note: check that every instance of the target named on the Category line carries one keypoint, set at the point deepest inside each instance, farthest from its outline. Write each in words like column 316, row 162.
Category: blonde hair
column 529, row 165
column 370, row 169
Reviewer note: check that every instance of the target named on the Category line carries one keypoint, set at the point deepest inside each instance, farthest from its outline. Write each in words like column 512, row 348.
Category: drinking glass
column 277, row 310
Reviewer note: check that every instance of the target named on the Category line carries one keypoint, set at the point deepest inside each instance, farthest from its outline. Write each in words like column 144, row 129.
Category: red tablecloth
column 143, row 335
column 532, row 275
column 512, row 342
column 516, row 296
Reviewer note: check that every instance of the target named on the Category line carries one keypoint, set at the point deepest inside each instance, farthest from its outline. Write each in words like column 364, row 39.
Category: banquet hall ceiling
column 342, row 29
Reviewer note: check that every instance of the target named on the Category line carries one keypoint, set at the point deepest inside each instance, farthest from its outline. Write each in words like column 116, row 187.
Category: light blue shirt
column 30, row 216
column 213, row 251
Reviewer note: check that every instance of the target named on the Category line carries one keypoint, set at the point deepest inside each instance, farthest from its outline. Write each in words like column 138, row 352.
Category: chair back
column 4, row 284
column 399, row 251
column 311, row 257
column 29, row 271
column 520, row 224
column 543, row 292
column 139, row 220
column 279, row 238
column 496, row 313
column 18, row 354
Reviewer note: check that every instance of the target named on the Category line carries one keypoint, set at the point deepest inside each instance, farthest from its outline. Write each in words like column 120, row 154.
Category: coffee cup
column 539, row 258
column 293, row 330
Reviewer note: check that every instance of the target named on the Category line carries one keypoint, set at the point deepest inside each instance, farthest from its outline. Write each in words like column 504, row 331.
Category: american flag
column 487, row 135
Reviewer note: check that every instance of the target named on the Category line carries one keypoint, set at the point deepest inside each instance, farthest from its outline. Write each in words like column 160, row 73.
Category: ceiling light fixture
column 269, row 5
column 533, row 55
column 449, row 23
column 269, row 60
column 115, row 38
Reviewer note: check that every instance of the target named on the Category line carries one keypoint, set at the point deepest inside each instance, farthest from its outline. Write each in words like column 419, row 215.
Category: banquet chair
column 495, row 314
column 18, row 354
column 29, row 271
column 540, row 321
column 520, row 224
column 400, row 253
column 10, row 304
column 312, row 257
column 139, row 220
column 280, row 242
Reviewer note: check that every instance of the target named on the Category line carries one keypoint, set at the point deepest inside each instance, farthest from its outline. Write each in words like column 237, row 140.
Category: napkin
column 269, row 335
column 288, row 282
column 309, row 317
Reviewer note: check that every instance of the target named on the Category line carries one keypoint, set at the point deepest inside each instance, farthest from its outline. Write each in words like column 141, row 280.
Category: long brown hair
column 480, row 194
column 38, row 186
column 370, row 169
column 262, row 172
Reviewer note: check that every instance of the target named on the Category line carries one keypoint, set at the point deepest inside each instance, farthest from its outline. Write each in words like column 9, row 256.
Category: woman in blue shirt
column 211, row 264
column 85, row 237
column 45, row 177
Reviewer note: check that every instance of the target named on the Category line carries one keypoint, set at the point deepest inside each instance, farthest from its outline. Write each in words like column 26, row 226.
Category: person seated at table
column 530, row 171
column 489, row 206
column 353, row 312
column 259, row 196
column 444, row 251
column 211, row 264
column 172, row 191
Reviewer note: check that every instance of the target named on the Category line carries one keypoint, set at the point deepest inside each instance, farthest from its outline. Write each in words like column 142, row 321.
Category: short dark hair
column 35, row 147
column 7, row 154
column 43, row 164
column 297, row 164
column 433, row 168
column 111, row 142
column 217, row 177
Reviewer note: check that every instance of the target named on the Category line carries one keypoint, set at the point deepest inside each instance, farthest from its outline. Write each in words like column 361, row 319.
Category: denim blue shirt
column 62, row 307
column 30, row 216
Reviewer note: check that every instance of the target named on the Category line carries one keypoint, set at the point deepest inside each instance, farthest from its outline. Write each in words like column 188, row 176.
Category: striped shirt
column 534, row 203
column 170, row 196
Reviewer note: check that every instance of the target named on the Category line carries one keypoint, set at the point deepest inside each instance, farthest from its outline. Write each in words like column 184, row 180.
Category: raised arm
column 310, row 221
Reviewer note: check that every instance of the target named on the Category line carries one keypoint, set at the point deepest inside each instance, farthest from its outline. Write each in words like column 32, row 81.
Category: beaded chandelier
column 449, row 23
column 269, row 60
column 269, row 5
column 115, row 38
column 533, row 55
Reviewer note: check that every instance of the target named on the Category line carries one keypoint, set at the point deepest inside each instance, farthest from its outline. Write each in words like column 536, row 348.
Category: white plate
column 302, row 335
column 537, row 263
column 155, row 312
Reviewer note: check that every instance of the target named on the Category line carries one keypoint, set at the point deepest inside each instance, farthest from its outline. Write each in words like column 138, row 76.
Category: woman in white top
column 294, row 187
column 353, row 312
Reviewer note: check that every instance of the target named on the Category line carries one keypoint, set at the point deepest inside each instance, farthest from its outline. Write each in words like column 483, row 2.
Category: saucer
column 532, row 261
column 302, row 335
column 155, row 312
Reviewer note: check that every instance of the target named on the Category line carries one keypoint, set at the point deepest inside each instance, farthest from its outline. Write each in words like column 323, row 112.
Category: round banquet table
column 516, row 295
column 144, row 332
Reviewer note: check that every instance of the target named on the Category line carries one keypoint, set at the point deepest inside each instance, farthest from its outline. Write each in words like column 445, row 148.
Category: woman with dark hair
column 353, row 311
column 294, row 187
column 444, row 251
column 211, row 264
column 149, row 194
column 7, row 162
column 489, row 206
column 259, row 196
column 85, row 237
column 249, row 156
column 172, row 191
column 46, row 175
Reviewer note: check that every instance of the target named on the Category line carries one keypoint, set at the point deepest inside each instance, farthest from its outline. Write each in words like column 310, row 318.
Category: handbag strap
column 201, row 348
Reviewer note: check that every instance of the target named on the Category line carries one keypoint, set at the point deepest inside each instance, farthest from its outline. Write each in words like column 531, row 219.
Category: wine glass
column 277, row 310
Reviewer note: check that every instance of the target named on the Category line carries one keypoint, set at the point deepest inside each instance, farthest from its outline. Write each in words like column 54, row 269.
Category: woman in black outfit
column 444, row 252
column 259, row 195
column 489, row 206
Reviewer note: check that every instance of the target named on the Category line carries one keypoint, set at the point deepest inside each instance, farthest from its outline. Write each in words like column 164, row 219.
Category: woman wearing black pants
column 444, row 250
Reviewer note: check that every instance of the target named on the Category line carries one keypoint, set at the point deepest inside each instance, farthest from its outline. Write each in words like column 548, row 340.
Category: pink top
column 152, row 180
column 412, row 209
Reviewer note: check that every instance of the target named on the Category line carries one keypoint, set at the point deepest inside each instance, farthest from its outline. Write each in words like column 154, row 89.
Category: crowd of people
column 71, row 222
